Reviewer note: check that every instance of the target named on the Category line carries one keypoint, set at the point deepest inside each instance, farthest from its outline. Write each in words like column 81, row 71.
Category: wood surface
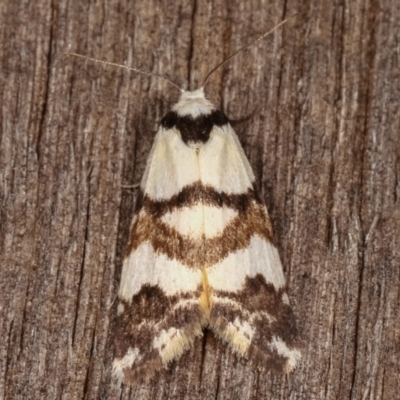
column 316, row 107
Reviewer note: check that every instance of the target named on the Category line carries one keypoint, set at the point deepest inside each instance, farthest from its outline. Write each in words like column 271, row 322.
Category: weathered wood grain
column 316, row 107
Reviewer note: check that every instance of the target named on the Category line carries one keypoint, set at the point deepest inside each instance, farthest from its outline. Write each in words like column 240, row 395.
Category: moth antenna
column 244, row 47
column 125, row 67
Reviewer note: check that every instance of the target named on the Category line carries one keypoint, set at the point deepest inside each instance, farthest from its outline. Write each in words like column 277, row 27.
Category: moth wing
column 249, row 307
column 159, row 312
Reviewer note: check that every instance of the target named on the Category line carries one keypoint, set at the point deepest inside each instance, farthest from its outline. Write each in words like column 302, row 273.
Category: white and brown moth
column 200, row 252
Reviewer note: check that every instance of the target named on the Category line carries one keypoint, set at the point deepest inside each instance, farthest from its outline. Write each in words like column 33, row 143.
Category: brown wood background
column 317, row 111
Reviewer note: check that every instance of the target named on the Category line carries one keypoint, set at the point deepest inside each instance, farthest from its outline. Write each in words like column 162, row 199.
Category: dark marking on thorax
column 194, row 130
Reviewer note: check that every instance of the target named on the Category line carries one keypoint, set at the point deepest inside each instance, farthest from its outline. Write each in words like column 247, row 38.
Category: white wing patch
column 200, row 220
column 127, row 361
column 144, row 266
column 260, row 257
column 162, row 178
column 223, row 164
column 170, row 342
column 293, row 355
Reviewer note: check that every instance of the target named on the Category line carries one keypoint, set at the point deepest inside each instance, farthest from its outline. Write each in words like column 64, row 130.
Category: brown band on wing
column 194, row 194
column 250, row 221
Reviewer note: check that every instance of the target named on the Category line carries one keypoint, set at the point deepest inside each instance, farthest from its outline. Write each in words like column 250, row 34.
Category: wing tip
column 277, row 356
column 144, row 370
column 134, row 376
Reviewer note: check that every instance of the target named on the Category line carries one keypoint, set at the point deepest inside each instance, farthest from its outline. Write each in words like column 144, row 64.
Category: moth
column 200, row 252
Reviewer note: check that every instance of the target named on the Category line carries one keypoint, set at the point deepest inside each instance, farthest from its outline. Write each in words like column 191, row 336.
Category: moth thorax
column 194, row 117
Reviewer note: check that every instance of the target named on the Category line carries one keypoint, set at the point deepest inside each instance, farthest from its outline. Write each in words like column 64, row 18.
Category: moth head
column 193, row 104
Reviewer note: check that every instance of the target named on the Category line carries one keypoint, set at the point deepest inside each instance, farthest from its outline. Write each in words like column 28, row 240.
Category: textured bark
column 317, row 111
